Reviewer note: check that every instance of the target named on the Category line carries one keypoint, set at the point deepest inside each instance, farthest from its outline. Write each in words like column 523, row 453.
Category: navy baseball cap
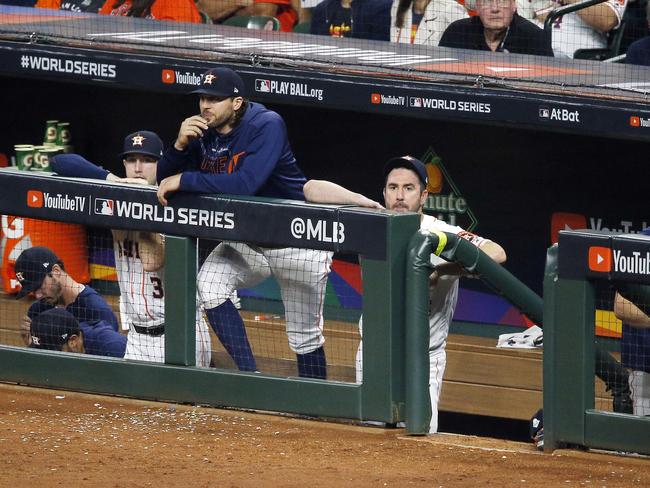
column 143, row 142
column 221, row 82
column 51, row 329
column 32, row 266
column 408, row 162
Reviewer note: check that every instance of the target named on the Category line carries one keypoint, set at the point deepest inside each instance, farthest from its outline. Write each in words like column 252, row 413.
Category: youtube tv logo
column 600, row 259
column 566, row 221
column 635, row 121
column 375, row 98
column 168, row 76
column 34, row 198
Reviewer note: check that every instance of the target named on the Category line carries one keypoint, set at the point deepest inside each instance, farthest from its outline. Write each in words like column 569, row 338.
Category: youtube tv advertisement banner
column 121, row 206
column 604, row 256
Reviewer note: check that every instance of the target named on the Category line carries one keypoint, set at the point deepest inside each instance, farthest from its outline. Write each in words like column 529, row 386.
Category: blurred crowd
column 599, row 31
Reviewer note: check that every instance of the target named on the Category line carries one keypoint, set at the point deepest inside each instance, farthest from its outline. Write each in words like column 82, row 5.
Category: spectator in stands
column 41, row 273
column 90, row 6
column 177, row 10
column 423, row 21
column 221, row 10
column 58, row 330
column 584, row 29
column 361, row 19
column 497, row 28
column 286, row 11
column 639, row 52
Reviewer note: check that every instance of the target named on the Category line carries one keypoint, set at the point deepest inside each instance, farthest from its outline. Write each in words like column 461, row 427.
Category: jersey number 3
column 157, row 287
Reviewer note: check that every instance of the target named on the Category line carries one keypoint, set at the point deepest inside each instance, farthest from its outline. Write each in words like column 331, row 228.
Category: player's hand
column 367, row 202
column 169, row 185
column 25, row 330
column 191, row 128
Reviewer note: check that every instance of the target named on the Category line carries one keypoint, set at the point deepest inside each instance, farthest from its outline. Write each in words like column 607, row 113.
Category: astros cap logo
column 137, row 140
column 208, row 79
column 600, row 259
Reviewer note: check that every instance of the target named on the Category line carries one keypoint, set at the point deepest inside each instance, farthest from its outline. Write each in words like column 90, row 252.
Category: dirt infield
column 52, row 438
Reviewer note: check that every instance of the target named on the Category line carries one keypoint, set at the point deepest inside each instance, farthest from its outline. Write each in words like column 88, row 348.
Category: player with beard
column 239, row 147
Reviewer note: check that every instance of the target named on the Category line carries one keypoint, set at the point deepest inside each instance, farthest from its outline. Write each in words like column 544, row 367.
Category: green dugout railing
column 258, row 220
column 453, row 248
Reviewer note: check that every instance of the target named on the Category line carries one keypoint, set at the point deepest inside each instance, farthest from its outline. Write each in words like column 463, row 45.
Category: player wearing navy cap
column 139, row 256
column 58, row 330
column 239, row 147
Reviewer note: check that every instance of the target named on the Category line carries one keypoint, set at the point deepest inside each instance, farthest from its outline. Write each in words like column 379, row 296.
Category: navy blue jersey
column 253, row 159
column 75, row 165
column 101, row 339
column 89, row 308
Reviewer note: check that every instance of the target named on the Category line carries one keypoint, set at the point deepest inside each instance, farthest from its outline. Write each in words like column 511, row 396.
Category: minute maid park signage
column 445, row 201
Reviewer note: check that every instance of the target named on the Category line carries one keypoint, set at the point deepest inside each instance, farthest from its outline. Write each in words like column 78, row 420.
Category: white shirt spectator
column 437, row 17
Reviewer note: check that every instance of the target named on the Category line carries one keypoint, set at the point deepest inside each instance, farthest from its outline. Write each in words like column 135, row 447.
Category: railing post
column 180, row 300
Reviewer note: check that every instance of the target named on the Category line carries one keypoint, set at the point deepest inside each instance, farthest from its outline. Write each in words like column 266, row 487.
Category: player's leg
column 302, row 276
column 143, row 347
column 640, row 387
column 228, row 267
column 437, row 364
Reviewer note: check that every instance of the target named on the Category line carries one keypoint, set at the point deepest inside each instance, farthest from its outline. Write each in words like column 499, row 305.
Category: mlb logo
column 544, row 113
column 635, row 121
column 416, row 102
column 263, row 86
column 375, row 98
column 104, row 206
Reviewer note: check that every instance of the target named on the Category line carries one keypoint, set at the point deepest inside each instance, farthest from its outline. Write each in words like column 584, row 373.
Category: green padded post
column 382, row 390
column 569, row 352
column 180, row 301
column 418, row 269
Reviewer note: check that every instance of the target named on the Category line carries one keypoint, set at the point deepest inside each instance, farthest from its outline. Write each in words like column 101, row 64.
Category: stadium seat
column 260, row 22
column 302, row 27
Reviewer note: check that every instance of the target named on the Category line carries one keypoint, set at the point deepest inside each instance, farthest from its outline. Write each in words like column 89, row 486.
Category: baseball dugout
column 277, row 224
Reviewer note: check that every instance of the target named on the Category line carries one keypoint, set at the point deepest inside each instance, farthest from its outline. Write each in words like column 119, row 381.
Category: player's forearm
column 172, row 162
column 76, row 166
column 322, row 191
column 629, row 313
column 600, row 17
column 152, row 250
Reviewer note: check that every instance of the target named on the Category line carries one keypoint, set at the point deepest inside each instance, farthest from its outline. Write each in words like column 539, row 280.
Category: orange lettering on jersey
column 234, row 161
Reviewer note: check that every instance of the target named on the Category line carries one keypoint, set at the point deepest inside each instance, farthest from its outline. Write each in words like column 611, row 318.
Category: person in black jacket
column 497, row 28
column 362, row 19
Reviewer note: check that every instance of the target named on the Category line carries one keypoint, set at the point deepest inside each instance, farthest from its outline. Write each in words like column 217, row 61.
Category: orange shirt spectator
column 91, row 6
column 178, row 10
column 283, row 10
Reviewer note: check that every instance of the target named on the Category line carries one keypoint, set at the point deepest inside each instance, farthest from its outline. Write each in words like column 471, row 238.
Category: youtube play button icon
column 600, row 259
column 34, row 198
